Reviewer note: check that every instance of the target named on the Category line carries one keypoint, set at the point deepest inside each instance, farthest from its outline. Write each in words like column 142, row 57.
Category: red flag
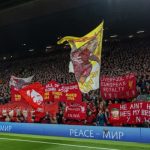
column 16, row 84
column 39, row 114
column 15, row 95
column 52, row 108
column 33, row 94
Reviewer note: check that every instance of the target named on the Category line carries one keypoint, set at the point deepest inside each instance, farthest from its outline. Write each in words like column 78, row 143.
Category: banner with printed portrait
column 86, row 58
column 130, row 113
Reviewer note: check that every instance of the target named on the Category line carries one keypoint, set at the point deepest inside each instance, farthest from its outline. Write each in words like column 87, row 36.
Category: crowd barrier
column 74, row 131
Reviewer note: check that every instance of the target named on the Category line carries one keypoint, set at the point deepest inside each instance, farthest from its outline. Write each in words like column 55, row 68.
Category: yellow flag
column 86, row 58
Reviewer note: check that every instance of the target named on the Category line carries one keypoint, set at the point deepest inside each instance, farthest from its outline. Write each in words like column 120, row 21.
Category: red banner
column 130, row 113
column 33, row 94
column 71, row 92
column 51, row 108
column 15, row 95
column 51, row 89
column 22, row 106
column 62, row 92
column 75, row 111
column 12, row 107
column 122, row 87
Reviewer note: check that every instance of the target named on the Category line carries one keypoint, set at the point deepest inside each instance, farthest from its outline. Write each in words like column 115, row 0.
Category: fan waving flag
column 86, row 58
column 33, row 94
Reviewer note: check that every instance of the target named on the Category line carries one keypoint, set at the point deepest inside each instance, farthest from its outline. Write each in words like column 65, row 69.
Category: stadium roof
column 35, row 24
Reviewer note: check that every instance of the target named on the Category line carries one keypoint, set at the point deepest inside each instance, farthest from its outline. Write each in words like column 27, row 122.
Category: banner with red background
column 122, row 87
column 75, row 111
column 15, row 95
column 33, row 94
column 13, row 107
column 71, row 92
column 62, row 92
column 51, row 91
column 52, row 108
column 129, row 113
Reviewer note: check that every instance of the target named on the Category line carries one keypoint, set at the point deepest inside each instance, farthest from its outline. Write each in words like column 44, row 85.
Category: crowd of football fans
column 118, row 58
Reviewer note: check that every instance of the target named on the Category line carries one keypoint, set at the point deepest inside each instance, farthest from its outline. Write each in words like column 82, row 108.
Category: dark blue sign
column 90, row 132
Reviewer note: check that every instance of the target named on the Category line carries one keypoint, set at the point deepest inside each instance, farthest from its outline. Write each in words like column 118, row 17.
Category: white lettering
column 113, row 135
column 82, row 133
column 5, row 128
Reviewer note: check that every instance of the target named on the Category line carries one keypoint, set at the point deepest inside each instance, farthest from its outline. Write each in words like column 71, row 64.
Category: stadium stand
column 119, row 57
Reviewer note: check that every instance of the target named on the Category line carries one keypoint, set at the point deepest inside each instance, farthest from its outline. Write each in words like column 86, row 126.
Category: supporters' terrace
column 28, row 35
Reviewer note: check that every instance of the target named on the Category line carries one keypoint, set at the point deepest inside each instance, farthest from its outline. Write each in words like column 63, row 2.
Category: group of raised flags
column 85, row 64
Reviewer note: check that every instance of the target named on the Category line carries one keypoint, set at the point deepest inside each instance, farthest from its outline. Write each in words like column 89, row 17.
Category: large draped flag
column 86, row 58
